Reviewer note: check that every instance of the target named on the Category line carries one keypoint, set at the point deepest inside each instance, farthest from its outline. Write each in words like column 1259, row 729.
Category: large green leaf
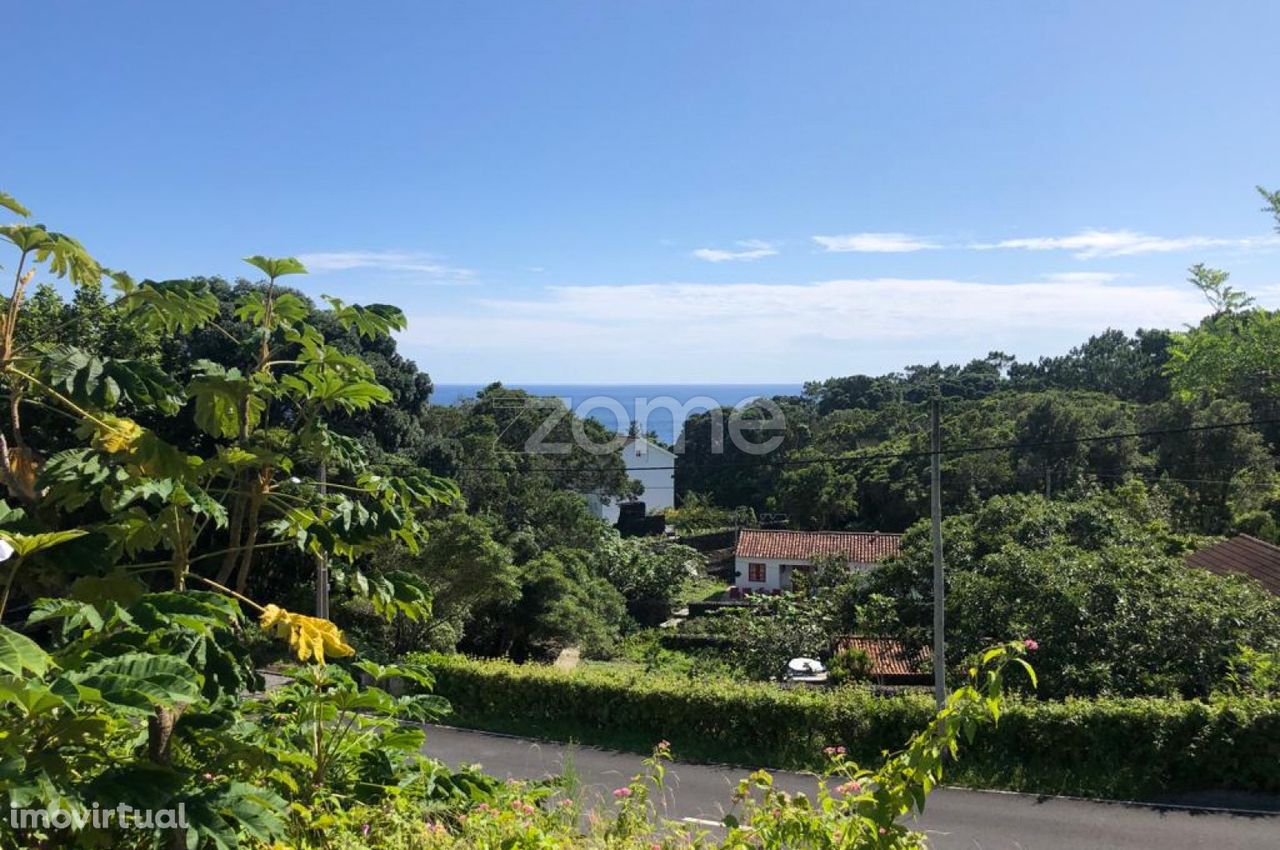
column 19, row 654
column 74, row 613
column 274, row 267
column 118, row 587
column 223, row 396
column 139, row 680
column 26, row 237
column 28, row 544
column 64, row 255
column 217, row 815
column 283, row 310
column 197, row 610
column 10, row 203
column 33, row 696
column 371, row 321
column 170, row 306
column 331, row 389
column 104, row 384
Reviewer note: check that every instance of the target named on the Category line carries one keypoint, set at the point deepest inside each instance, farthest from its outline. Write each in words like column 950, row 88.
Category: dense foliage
column 135, row 482
column 1051, row 747
column 187, row 451
column 1101, row 584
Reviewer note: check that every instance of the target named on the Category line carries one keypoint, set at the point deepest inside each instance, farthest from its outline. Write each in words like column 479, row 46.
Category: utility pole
column 322, row 558
column 939, row 590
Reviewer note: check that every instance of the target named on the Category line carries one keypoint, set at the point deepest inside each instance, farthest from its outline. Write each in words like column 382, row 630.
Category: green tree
column 816, row 494
column 562, row 603
column 772, row 630
column 1099, row 583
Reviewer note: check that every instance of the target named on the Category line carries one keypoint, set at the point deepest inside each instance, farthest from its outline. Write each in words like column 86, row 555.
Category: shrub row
column 1107, row 747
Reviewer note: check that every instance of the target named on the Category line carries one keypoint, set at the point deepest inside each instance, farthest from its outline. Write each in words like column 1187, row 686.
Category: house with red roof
column 892, row 663
column 767, row 559
column 1242, row 555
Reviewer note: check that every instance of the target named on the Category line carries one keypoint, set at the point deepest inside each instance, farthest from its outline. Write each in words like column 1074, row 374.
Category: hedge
column 1110, row 747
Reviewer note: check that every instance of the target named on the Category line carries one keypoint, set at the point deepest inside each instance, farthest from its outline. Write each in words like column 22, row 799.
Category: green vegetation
column 850, row 665
column 1051, row 747
column 181, row 460
column 1099, row 581
column 854, row 807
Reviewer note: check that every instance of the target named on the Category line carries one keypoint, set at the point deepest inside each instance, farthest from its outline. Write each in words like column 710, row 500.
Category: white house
column 651, row 465
column 767, row 559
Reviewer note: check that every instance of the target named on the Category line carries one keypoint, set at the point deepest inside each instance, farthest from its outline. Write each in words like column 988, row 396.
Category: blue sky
column 670, row 191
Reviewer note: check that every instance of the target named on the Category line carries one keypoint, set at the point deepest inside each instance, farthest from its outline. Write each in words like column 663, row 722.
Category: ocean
column 663, row 406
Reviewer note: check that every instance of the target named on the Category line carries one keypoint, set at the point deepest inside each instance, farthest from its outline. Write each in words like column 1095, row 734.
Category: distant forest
column 836, row 467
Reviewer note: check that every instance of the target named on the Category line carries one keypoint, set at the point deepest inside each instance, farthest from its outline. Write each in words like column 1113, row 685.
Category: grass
column 699, row 589
column 643, row 653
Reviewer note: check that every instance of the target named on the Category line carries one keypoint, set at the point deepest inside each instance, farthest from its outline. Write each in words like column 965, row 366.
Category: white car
column 805, row 670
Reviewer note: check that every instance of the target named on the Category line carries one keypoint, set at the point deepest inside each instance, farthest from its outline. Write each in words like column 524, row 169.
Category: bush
column 1100, row 583
column 1048, row 747
column 850, row 665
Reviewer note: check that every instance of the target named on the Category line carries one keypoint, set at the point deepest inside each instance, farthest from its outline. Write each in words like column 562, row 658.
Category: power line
column 1156, row 478
column 901, row 455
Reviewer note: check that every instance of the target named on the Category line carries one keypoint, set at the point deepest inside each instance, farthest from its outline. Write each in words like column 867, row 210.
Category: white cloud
column 876, row 243
column 747, row 331
column 1090, row 244
column 751, row 249
column 1086, row 244
column 1082, row 277
column 408, row 262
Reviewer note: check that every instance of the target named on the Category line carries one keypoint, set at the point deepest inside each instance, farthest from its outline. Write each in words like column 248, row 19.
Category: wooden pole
column 939, row 589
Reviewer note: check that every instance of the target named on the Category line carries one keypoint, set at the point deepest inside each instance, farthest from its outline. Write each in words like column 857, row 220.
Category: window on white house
column 755, row 572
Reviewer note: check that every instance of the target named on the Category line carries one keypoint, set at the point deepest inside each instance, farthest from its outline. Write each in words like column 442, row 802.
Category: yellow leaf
column 309, row 637
column 116, row 434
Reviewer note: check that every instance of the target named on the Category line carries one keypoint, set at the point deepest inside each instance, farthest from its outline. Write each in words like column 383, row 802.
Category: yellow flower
column 309, row 637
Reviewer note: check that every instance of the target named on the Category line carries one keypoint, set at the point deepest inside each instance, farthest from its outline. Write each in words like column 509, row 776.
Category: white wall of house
column 778, row 573
column 602, row 507
column 774, row 574
column 651, row 465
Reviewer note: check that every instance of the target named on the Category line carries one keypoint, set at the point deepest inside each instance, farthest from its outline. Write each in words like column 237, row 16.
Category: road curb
column 1139, row 804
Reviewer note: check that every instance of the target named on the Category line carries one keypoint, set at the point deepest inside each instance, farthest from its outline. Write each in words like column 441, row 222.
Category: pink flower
column 884, row 831
column 364, row 830
column 565, row 804
column 1031, row 645
column 840, row 751
column 850, row 787
column 621, row 793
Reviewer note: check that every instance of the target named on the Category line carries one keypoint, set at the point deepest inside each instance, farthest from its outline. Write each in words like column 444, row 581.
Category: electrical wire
column 902, row 455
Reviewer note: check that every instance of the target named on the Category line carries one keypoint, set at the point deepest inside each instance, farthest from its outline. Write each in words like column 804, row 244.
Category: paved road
column 954, row 819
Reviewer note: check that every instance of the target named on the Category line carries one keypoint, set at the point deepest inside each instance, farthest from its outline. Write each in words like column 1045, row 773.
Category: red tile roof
column 858, row 546
column 1242, row 554
column 890, row 660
